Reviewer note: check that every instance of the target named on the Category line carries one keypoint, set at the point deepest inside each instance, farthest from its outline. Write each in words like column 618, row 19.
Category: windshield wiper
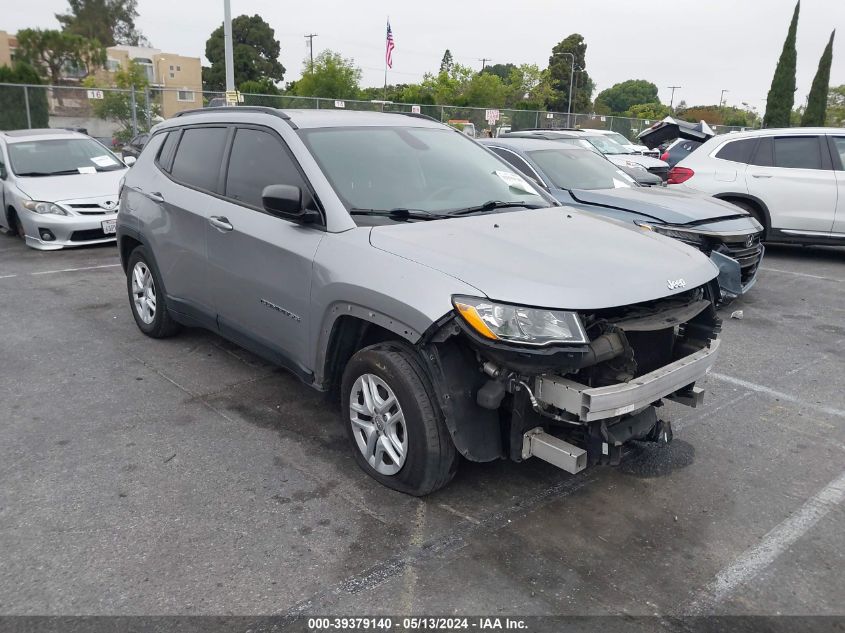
column 492, row 205
column 36, row 174
column 398, row 214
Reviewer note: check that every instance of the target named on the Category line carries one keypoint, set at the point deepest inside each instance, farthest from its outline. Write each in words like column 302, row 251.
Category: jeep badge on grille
column 676, row 283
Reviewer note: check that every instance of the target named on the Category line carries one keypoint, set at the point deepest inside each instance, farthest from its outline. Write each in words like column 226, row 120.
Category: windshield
column 61, row 156
column 575, row 169
column 422, row 169
column 619, row 138
column 607, row 145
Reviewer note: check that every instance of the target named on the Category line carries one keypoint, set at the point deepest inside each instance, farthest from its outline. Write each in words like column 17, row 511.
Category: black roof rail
column 265, row 109
column 417, row 115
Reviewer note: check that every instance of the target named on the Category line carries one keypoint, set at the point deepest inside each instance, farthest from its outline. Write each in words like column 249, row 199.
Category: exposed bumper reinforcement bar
column 598, row 403
column 536, row 443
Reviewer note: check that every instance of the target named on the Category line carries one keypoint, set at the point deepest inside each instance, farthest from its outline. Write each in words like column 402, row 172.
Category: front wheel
column 395, row 428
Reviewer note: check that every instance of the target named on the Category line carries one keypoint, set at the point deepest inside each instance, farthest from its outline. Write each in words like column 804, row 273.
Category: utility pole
column 310, row 37
column 672, row 98
column 484, row 61
column 722, row 97
column 227, row 46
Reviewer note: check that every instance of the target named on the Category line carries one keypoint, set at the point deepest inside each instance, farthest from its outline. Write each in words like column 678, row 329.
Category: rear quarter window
column 737, row 151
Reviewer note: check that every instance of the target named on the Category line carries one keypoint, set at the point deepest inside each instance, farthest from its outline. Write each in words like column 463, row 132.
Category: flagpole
column 384, row 93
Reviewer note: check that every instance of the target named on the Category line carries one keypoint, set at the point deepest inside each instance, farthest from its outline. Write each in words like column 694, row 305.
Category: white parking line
column 73, row 270
column 777, row 394
column 792, row 272
column 772, row 545
column 7, row 276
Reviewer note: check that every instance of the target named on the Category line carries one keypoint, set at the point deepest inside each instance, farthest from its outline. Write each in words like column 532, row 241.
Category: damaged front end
column 575, row 403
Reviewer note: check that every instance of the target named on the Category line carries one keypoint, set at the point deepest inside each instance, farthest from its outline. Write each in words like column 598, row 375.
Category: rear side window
column 797, row 152
column 839, row 148
column 198, row 157
column 737, row 151
column 165, row 154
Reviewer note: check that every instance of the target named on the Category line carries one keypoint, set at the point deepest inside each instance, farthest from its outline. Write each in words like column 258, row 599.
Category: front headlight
column 688, row 237
column 46, row 208
column 520, row 324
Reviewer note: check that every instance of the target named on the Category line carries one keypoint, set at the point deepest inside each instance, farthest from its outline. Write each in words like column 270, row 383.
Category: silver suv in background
column 451, row 304
column 58, row 188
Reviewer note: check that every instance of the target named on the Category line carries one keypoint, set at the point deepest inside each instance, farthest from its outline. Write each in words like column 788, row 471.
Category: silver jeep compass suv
column 456, row 309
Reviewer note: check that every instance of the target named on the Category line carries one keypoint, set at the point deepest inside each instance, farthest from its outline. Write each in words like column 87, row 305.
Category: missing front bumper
column 598, row 403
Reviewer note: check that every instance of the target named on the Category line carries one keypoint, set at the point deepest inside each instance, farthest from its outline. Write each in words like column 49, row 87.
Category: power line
column 484, row 61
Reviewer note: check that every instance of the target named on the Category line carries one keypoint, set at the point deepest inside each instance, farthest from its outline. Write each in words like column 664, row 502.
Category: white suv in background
column 791, row 180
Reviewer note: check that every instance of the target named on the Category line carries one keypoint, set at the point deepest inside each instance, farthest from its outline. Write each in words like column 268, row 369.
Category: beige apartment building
column 176, row 80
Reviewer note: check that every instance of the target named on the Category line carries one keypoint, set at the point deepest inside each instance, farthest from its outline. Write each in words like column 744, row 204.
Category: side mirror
column 130, row 160
column 285, row 201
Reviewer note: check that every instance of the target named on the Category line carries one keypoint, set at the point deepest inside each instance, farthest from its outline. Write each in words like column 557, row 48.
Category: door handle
column 220, row 223
column 761, row 175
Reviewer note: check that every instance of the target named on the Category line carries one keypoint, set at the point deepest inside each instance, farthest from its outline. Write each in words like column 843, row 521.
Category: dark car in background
column 133, row 148
column 678, row 150
column 579, row 178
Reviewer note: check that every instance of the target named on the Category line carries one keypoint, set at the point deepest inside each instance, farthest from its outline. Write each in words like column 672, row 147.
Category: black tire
column 161, row 325
column 430, row 459
column 754, row 211
column 15, row 226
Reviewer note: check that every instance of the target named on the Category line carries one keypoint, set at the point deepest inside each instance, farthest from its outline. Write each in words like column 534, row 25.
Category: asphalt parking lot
column 186, row 476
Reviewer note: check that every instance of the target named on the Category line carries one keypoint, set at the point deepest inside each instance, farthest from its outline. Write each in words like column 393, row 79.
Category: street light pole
column 571, row 77
column 227, row 45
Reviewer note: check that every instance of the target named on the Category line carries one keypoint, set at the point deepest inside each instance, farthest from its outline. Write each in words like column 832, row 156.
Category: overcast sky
column 732, row 44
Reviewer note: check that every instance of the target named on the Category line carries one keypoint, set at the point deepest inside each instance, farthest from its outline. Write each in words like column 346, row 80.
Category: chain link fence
column 115, row 115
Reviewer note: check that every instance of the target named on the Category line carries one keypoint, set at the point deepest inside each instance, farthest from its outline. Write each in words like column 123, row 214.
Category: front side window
column 58, row 157
column 797, row 152
column 432, row 170
column 198, row 157
column 577, row 169
column 258, row 160
column 516, row 161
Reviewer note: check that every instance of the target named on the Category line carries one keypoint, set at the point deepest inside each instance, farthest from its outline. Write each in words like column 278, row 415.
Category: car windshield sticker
column 512, row 180
column 87, row 170
column 620, row 184
column 103, row 161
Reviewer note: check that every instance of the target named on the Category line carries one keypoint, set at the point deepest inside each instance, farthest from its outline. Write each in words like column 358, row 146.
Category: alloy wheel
column 378, row 424
column 144, row 292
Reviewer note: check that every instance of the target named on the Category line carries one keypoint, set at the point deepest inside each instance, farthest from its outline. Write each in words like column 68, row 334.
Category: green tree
column 261, row 93
column 654, row 110
column 255, row 52
column 117, row 105
column 836, row 106
column 502, row 71
column 484, row 90
column 528, row 87
column 814, row 115
column 447, row 62
column 560, row 66
column 782, row 93
column 330, row 76
column 108, row 21
column 13, row 101
column 447, row 88
column 51, row 53
column 621, row 97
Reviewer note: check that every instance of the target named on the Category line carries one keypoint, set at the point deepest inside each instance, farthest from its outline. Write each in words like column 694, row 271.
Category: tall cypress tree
column 816, row 110
column 782, row 93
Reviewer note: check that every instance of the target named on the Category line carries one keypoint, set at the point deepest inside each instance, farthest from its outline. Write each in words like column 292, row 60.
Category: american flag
column 388, row 55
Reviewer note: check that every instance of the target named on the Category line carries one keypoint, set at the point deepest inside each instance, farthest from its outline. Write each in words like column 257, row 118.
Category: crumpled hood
column 556, row 257
column 667, row 205
column 73, row 186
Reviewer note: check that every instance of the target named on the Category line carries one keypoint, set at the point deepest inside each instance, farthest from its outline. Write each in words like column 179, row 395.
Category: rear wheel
column 146, row 297
column 395, row 428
